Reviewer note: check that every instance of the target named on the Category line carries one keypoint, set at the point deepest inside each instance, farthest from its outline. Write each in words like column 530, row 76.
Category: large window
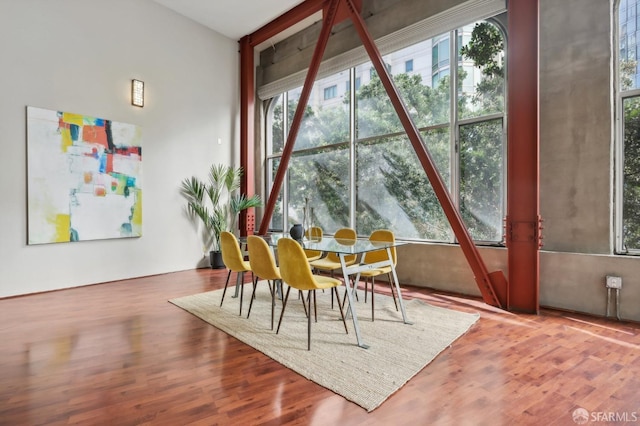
column 628, row 147
column 354, row 163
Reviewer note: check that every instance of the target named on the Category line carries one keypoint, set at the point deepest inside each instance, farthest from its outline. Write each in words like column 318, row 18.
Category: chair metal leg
column 254, row 280
column 284, row 305
column 315, row 306
column 309, row 318
column 332, row 299
column 393, row 291
column 304, row 305
column 344, row 321
column 354, row 287
column 344, row 296
column 225, row 288
column 241, row 275
column 366, row 288
column 272, row 290
column 373, row 287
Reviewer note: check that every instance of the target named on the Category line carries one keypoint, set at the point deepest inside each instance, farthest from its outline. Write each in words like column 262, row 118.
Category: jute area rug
column 366, row 377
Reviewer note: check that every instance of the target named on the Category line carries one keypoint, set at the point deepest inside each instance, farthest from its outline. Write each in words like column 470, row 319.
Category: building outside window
column 408, row 65
column 353, row 161
column 330, row 92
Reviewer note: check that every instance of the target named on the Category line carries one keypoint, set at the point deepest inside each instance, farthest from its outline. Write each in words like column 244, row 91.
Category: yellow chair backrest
column 294, row 267
column 380, row 255
column 315, row 232
column 346, row 234
column 263, row 263
column 231, row 254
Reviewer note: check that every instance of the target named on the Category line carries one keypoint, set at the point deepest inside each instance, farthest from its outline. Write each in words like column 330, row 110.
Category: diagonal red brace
column 327, row 25
column 493, row 286
column 487, row 283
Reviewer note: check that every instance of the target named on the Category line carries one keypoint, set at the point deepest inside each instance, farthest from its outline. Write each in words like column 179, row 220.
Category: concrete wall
column 80, row 56
column 381, row 16
column 576, row 125
column 576, row 164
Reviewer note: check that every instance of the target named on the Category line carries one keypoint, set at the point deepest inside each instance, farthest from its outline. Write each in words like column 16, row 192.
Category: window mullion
column 285, row 136
column 352, row 147
column 619, row 176
column 454, row 138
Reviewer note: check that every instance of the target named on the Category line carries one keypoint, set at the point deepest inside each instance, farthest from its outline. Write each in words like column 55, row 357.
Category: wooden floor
column 120, row 354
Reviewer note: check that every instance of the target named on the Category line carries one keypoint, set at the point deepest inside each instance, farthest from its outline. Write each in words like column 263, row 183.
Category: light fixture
column 137, row 93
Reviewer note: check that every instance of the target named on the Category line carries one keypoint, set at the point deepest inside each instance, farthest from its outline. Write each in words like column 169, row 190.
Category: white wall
column 80, row 56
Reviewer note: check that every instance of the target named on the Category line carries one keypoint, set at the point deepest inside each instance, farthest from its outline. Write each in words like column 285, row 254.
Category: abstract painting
column 84, row 177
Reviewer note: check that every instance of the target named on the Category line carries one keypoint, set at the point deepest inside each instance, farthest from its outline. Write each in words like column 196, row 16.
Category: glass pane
column 427, row 106
column 275, row 129
column 631, row 176
column 393, row 191
column 628, row 63
column 481, row 70
column 443, row 53
column 277, row 220
column 374, row 112
column 481, row 179
column 326, row 117
column 322, row 176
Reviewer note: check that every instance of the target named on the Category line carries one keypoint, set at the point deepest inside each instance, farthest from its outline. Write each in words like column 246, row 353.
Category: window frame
column 619, row 137
column 454, row 131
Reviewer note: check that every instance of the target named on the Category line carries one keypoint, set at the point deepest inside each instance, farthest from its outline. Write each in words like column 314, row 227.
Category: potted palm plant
column 218, row 203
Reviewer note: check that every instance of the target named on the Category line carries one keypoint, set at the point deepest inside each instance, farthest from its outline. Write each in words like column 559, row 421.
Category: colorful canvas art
column 84, row 177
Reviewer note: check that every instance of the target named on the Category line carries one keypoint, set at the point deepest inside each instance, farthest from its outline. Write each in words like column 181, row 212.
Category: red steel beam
column 247, row 152
column 523, row 230
column 487, row 283
column 323, row 38
column 286, row 20
column 247, row 96
column 493, row 286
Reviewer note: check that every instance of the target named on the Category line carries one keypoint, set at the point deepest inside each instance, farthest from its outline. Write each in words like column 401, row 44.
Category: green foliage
column 484, row 48
column 481, row 179
column 392, row 190
column 217, row 202
column 628, row 69
column 631, row 174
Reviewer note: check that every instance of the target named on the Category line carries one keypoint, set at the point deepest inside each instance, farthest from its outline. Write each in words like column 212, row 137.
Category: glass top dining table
column 345, row 247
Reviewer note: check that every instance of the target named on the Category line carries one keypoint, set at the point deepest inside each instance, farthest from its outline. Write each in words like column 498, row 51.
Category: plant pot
column 215, row 257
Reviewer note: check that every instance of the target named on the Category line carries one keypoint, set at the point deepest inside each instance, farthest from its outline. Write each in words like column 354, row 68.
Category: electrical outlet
column 614, row 282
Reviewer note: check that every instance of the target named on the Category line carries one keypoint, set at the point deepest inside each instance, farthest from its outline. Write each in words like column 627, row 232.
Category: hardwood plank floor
column 120, row 354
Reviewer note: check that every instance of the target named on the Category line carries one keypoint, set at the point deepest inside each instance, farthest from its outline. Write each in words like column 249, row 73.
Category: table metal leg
column 352, row 308
column 397, row 284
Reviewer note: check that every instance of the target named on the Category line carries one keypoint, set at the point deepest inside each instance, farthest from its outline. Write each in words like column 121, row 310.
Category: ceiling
column 235, row 19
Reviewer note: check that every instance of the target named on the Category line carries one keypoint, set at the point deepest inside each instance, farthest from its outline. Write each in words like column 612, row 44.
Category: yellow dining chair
column 331, row 262
column 295, row 271
column 263, row 266
column 314, row 233
column 379, row 256
column 234, row 260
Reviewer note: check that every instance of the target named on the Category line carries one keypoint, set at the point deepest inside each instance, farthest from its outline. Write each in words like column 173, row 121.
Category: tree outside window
column 390, row 186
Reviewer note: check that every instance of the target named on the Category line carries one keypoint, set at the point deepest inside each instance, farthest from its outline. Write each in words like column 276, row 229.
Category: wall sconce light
column 137, row 93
